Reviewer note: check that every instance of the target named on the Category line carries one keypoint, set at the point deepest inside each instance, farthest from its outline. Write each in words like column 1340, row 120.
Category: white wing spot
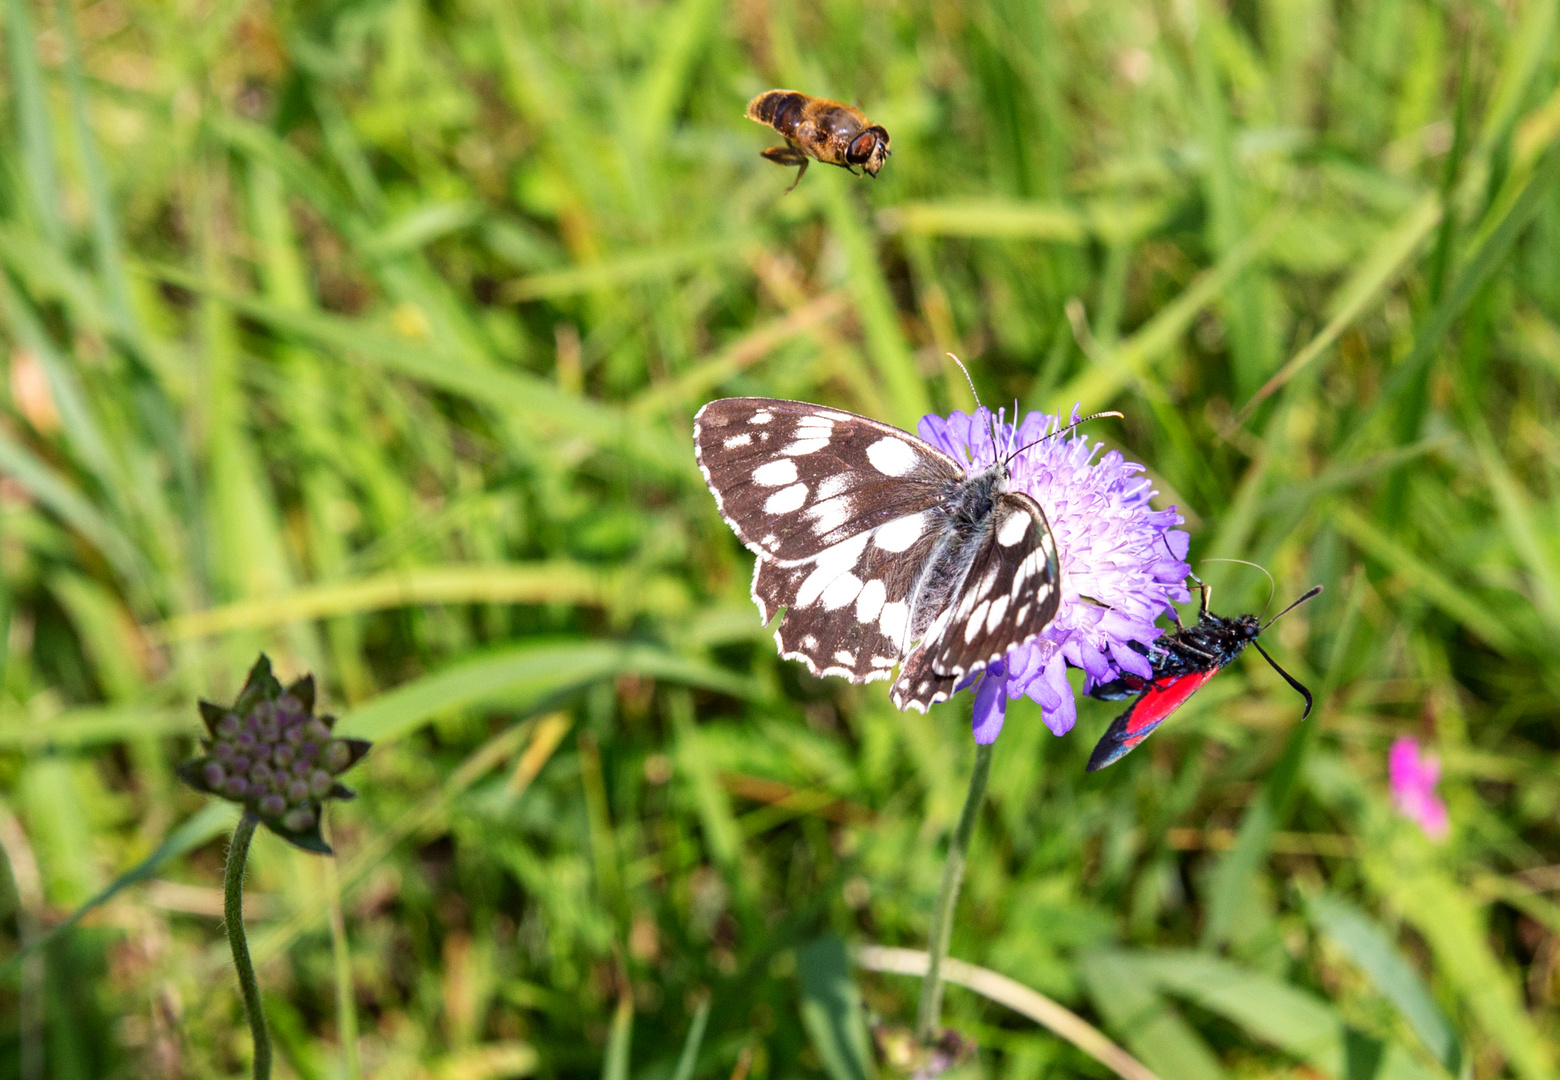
column 786, row 499
column 737, row 440
column 1013, row 530
column 869, row 603
column 891, row 457
column 774, row 473
column 999, row 608
column 809, row 642
column 893, row 619
column 884, row 661
column 830, row 564
column 821, row 424
column 829, row 415
column 841, row 591
column 805, row 446
column 830, row 514
column 832, row 485
column 899, row 534
column 763, row 416
column 1019, row 617
column 846, row 657
column 978, row 616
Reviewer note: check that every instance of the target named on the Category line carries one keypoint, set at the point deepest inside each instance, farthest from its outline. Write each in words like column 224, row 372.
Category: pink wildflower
column 1414, row 777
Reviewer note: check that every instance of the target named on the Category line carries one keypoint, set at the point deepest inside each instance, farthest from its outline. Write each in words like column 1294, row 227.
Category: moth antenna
column 1288, row 678
column 1272, row 585
column 1201, row 587
column 1309, row 593
column 1059, row 431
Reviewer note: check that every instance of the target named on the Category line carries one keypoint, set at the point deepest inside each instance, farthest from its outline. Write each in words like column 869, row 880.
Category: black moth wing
column 1006, row 597
column 793, row 479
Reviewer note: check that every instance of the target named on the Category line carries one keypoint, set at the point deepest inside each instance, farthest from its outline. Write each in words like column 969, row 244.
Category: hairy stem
column 928, row 1024
column 233, row 893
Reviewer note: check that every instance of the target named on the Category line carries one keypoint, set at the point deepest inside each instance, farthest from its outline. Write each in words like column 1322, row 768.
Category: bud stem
column 928, row 1025
column 233, row 894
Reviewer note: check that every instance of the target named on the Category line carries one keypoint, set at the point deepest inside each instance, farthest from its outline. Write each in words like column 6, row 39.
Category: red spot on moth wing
column 1158, row 701
column 1162, row 698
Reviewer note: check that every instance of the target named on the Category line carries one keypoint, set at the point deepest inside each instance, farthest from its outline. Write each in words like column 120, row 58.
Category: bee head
column 869, row 149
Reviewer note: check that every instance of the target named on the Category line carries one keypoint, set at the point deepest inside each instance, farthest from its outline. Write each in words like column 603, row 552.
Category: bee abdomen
column 780, row 109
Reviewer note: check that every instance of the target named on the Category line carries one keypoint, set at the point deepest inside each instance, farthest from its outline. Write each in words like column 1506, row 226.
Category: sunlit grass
column 369, row 335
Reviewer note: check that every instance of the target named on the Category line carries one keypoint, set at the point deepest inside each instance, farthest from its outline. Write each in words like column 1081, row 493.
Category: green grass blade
column 527, row 672
column 36, row 126
column 688, row 1060
column 832, row 1012
column 1370, row 947
column 212, row 820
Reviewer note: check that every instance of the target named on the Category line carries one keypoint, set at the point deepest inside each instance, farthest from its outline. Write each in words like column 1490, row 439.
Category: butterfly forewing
column 1005, row 598
column 793, row 479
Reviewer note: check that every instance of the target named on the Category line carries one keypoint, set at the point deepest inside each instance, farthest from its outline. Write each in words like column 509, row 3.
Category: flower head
column 1414, row 776
column 1122, row 561
column 272, row 755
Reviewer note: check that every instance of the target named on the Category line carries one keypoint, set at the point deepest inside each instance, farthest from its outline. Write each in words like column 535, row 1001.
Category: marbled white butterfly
column 881, row 548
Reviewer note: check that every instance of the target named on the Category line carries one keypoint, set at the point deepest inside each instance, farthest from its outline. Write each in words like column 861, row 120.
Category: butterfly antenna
column 1311, row 592
column 1060, row 431
column 991, row 420
column 1288, row 678
column 1272, row 586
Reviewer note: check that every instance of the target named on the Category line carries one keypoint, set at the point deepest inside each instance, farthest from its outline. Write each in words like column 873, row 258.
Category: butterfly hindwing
column 1159, row 699
column 793, row 479
column 1006, row 592
column 848, row 610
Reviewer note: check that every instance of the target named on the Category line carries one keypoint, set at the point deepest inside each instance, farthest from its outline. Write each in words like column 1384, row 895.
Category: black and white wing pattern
column 873, row 540
column 1008, row 594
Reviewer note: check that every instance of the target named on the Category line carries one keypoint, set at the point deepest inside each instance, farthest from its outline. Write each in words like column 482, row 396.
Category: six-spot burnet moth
column 1183, row 662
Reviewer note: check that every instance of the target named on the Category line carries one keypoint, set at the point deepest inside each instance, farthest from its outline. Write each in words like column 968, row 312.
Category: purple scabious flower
column 1122, row 561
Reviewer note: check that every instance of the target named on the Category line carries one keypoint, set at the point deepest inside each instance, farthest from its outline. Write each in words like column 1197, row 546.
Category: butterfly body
column 884, row 551
column 1183, row 663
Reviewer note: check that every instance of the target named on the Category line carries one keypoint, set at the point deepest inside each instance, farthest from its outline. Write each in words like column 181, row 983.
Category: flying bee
column 819, row 129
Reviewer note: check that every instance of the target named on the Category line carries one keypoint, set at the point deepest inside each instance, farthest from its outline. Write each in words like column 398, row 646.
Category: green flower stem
column 233, row 893
column 928, row 1024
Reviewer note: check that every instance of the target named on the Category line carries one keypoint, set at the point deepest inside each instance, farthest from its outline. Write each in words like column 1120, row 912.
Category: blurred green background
column 369, row 334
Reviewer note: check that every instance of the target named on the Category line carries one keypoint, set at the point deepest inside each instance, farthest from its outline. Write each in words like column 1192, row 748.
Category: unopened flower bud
column 270, row 753
column 338, row 755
